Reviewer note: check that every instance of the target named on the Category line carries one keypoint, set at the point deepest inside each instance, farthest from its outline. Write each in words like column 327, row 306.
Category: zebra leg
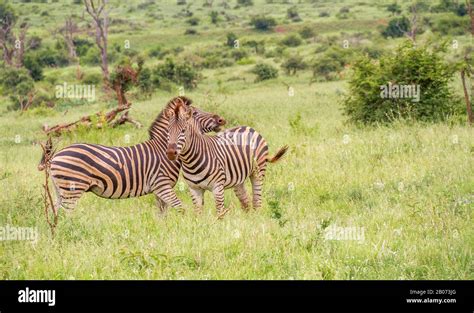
column 167, row 194
column 241, row 193
column 67, row 194
column 197, row 194
column 257, row 183
column 218, row 192
column 161, row 205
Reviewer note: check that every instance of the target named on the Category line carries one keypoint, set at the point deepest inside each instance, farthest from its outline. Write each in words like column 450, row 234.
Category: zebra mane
column 171, row 105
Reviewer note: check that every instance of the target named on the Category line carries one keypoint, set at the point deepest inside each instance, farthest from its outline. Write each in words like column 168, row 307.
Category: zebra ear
column 189, row 113
column 168, row 113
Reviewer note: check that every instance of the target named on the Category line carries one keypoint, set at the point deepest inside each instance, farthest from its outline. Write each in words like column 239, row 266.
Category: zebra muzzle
column 172, row 151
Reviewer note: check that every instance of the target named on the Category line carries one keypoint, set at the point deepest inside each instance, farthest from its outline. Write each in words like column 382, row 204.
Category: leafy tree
column 17, row 83
column 293, row 64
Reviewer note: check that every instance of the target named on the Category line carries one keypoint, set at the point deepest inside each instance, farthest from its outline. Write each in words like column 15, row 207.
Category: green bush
column 452, row 25
column 331, row 63
column 292, row 14
column 369, row 101
column 193, row 21
column 292, row 40
column 264, row 72
column 231, row 38
column 307, row 32
column 82, row 46
column 263, row 23
column 92, row 78
column 394, row 8
column 396, row 27
column 178, row 73
column 245, row 3
column 33, row 66
column 17, row 83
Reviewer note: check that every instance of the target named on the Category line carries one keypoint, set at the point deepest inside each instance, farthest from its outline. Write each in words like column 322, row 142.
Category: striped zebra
column 218, row 162
column 124, row 172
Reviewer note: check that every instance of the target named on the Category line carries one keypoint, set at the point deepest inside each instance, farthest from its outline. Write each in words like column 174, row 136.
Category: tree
column 18, row 84
column 99, row 14
column 68, row 32
column 7, row 19
column 293, row 64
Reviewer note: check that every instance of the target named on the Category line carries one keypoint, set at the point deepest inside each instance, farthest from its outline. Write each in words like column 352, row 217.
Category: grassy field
column 408, row 187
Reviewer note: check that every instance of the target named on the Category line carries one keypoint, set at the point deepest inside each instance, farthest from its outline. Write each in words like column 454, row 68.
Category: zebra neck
column 195, row 146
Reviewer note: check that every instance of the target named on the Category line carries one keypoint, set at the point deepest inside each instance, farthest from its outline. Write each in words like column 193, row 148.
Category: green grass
column 409, row 186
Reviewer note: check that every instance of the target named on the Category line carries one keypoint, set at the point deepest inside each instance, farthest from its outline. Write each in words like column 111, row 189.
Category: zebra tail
column 278, row 155
column 47, row 154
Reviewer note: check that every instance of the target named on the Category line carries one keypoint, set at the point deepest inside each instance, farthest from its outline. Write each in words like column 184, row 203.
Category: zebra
column 218, row 162
column 123, row 172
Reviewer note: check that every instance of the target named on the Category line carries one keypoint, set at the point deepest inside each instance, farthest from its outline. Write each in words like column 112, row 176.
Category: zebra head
column 208, row 122
column 179, row 120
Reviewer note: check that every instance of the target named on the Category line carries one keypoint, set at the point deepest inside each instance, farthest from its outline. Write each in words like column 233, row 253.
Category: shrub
column 396, row 27
column 178, row 73
column 324, row 14
column 245, row 3
column 214, row 17
column 51, row 57
column 191, row 31
column 369, row 103
column 292, row 40
column 145, row 83
column 292, row 14
column 263, row 23
column 331, row 62
column 34, row 67
column 17, row 83
column 394, row 8
column 82, row 46
column 451, row 25
column 293, row 64
column 231, row 38
column 264, row 72
column 306, row 32
column 92, row 78
column 193, row 21
column 258, row 46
